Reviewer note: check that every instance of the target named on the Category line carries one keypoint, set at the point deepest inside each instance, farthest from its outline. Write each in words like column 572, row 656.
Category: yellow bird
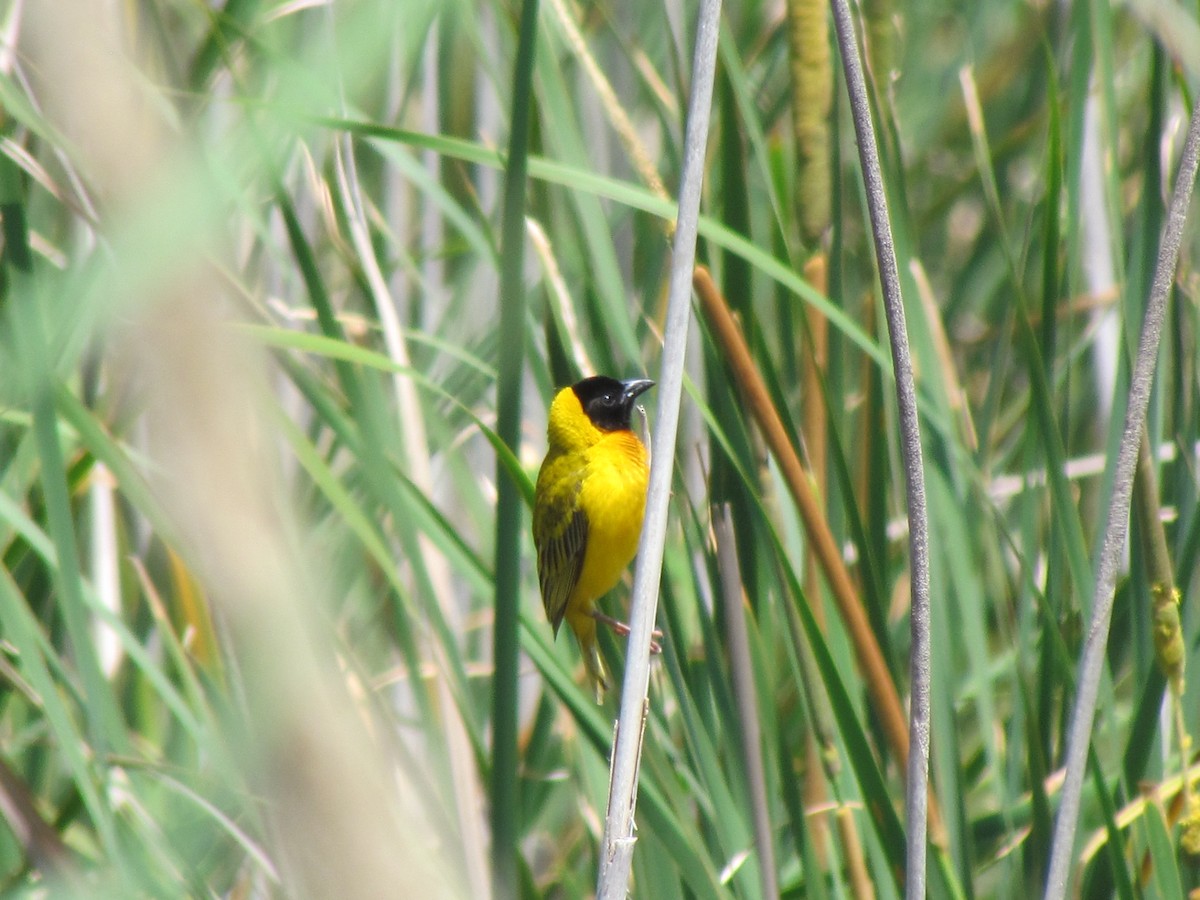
column 588, row 507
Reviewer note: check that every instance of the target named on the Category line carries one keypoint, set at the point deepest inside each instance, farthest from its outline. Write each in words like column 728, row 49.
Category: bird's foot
column 623, row 630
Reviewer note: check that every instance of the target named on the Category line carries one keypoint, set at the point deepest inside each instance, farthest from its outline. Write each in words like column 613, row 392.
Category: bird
column 588, row 507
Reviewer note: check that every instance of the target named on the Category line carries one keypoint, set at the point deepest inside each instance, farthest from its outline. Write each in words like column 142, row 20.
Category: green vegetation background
column 248, row 465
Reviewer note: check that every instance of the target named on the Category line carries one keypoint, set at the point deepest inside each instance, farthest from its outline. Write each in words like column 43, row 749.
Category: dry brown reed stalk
column 43, row 848
column 884, row 697
column 750, row 383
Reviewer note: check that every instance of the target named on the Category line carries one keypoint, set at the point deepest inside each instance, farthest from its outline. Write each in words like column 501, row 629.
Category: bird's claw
column 623, row 630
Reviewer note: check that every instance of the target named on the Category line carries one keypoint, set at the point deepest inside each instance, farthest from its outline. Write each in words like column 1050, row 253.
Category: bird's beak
column 635, row 387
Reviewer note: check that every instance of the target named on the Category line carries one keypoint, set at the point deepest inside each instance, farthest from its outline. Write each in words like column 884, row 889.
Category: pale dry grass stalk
column 344, row 822
column 324, row 778
column 956, row 396
column 417, row 455
column 639, row 157
column 560, row 297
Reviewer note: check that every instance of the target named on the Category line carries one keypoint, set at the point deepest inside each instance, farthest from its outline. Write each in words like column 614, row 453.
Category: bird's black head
column 608, row 402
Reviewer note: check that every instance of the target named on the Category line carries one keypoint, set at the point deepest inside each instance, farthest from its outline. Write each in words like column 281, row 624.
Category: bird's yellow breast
column 613, row 495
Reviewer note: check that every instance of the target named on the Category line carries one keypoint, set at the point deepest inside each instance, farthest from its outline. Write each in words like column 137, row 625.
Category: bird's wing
column 560, row 533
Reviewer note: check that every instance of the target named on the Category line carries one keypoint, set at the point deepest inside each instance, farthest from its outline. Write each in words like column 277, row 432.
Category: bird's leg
column 623, row 630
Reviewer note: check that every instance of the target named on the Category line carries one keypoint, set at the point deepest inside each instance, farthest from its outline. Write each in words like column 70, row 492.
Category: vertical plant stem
column 505, row 795
column 742, row 670
column 916, row 799
column 617, row 849
column 1117, row 525
column 639, row 156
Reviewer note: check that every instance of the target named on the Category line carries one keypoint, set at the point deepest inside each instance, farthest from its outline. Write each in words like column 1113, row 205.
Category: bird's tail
column 585, row 630
column 596, row 672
